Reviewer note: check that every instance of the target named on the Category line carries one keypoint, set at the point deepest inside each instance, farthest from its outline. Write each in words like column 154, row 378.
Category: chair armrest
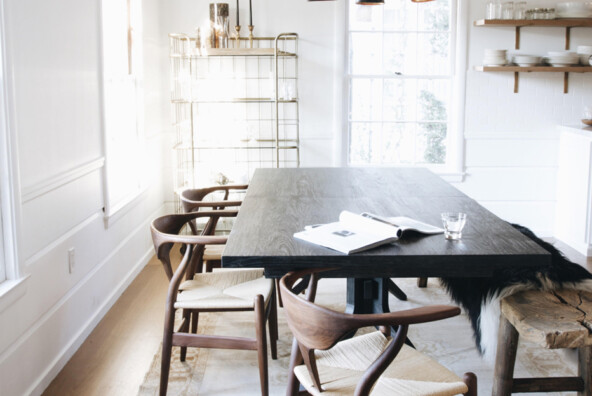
column 426, row 314
column 211, row 204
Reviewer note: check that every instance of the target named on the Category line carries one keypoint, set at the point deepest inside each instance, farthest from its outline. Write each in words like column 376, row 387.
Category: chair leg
column 505, row 358
column 278, row 294
column 272, row 322
column 585, row 369
column 187, row 319
column 470, row 379
column 295, row 360
column 261, row 344
column 167, row 346
column 422, row 282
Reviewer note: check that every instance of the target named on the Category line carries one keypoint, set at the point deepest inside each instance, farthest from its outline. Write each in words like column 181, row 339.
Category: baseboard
column 53, row 369
column 68, row 351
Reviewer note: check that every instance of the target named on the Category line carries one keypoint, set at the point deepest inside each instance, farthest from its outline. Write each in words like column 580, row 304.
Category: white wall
column 53, row 55
column 512, row 139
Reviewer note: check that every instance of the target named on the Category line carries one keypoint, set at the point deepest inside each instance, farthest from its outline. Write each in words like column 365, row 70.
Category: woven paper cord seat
column 411, row 373
column 224, row 290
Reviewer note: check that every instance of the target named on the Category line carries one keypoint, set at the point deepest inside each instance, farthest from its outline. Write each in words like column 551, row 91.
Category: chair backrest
column 193, row 199
column 166, row 230
column 315, row 327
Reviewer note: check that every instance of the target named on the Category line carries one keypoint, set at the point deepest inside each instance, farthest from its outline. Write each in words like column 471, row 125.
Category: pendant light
column 376, row 2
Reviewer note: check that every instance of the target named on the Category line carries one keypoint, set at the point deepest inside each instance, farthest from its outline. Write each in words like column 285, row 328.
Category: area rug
column 450, row 342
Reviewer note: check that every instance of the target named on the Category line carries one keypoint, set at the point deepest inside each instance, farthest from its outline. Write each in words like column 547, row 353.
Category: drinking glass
column 520, row 10
column 508, row 10
column 490, row 10
column 453, row 224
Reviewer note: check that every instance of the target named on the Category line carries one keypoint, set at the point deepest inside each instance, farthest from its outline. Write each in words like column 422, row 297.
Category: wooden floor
column 115, row 357
column 117, row 354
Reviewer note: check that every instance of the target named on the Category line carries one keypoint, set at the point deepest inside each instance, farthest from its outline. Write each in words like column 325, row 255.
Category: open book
column 355, row 233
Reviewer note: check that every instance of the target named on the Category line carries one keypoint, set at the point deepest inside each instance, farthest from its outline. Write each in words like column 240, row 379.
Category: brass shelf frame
column 276, row 128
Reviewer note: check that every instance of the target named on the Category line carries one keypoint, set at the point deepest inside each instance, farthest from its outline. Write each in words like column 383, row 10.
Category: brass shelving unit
column 567, row 23
column 233, row 108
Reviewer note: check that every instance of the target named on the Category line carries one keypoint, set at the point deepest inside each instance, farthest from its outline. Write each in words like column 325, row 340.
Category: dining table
column 282, row 201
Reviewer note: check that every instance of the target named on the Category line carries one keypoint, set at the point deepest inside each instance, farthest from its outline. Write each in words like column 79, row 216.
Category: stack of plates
column 562, row 58
column 585, row 52
column 494, row 57
column 526, row 60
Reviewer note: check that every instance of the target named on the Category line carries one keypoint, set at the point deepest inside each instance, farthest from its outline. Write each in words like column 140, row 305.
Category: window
column 2, row 259
column 401, row 83
column 122, row 95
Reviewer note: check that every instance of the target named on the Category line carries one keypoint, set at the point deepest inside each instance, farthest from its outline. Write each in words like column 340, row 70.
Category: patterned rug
column 450, row 342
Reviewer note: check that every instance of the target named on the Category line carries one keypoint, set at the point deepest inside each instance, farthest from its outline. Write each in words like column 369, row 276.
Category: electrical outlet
column 71, row 260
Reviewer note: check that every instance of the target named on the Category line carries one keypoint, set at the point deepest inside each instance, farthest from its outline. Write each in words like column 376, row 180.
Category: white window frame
column 13, row 286
column 8, row 215
column 121, row 194
column 453, row 169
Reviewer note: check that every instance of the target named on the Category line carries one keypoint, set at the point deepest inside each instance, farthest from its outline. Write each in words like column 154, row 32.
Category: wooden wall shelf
column 566, row 23
column 544, row 69
column 562, row 22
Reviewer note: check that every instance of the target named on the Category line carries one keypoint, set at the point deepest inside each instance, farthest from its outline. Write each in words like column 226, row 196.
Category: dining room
column 118, row 113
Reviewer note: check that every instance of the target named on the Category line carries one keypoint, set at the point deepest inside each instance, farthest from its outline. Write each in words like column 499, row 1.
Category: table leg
column 367, row 295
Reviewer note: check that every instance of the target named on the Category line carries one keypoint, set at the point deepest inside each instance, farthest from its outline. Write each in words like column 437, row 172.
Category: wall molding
column 56, row 242
column 54, row 182
column 46, row 376
column 68, row 350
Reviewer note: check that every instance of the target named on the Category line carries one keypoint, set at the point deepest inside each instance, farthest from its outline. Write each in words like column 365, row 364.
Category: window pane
column 433, row 100
column 366, row 53
column 366, row 99
column 400, row 102
column 360, row 144
column 433, row 54
column 434, row 16
column 2, row 262
column 398, row 143
column 364, row 17
column 431, row 146
column 400, row 15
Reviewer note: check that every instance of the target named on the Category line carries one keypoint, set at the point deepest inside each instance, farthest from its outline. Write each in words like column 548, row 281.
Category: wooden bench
column 557, row 319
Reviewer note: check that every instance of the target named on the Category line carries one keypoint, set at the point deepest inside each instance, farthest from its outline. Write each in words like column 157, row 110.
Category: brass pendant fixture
column 376, row 2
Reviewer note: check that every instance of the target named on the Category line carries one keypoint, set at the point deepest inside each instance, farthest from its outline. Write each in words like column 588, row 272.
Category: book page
column 368, row 225
column 343, row 238
column 407, row 223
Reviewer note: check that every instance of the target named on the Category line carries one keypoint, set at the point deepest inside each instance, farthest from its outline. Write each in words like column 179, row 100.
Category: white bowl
column 585, row 59
column 558, row 64
column 526, row 59
column 495, row 52
column 564, row 59
column 562, row 53
column 574, row 9
column 584, row 49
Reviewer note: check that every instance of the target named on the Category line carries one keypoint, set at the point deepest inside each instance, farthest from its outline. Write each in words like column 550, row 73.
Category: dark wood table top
column 280, row 202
